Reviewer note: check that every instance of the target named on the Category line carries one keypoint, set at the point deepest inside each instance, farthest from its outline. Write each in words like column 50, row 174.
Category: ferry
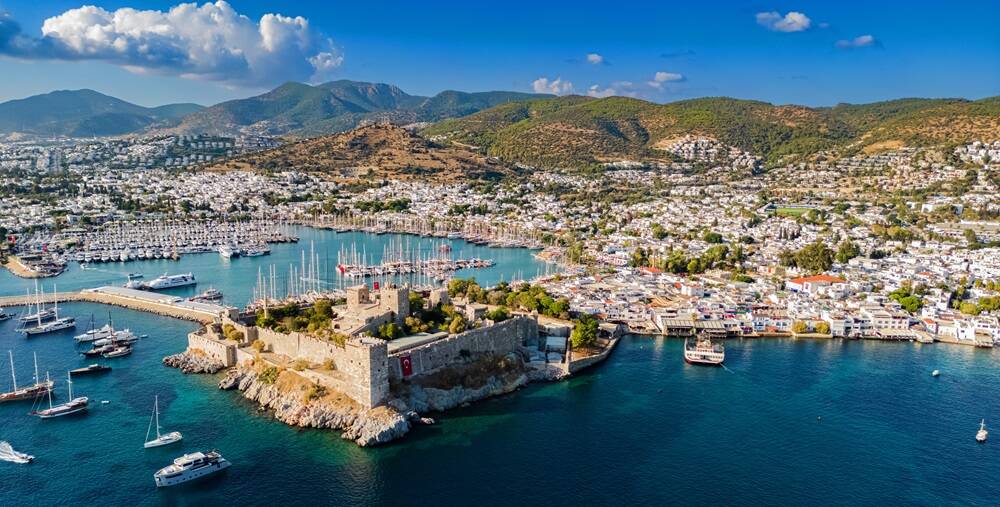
column 703, row 351
column 170, row 281
column 189, row 467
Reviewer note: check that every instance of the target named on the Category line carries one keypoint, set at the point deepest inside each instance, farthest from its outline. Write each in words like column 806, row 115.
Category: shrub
column 314, row 392
column 823, row 328
column 300, row 364
column 258, row 345
column 329, row 365
column 269, row 375
column 800, row 326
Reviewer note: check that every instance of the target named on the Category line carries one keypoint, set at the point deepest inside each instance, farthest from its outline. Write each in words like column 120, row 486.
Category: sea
column 786, row 422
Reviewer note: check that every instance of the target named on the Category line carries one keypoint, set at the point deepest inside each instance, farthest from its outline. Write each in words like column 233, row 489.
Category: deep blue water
column 786, row 423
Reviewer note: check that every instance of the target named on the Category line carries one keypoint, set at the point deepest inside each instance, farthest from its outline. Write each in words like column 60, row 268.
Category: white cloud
column 861, row 41
column 594, row 58
column 597, row 91
column 791, row 22
column 556, row 87
column 210, row 41
column 622, row 88
column 660, row 78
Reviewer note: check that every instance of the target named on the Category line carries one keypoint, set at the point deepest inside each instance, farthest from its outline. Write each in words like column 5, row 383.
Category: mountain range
column 83, row 113
column 575, row 131
column 294, row 109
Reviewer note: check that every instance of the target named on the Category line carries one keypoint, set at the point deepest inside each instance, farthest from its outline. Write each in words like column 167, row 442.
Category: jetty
column 160, row 304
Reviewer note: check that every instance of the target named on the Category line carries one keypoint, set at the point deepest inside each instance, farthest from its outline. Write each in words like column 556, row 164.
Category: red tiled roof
column 818, row 278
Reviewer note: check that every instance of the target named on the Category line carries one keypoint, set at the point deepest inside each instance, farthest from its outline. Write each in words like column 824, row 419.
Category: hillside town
column 786, row 250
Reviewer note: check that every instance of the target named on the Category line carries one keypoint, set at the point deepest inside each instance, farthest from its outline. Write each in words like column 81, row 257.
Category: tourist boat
column 703, row 351
column 982, row 433
column 161, row 439
column 170, row 281
column 3, row 315
column 189, row 467
column 211, row 294
column 94, row 368
column 26, row 393
column 118, row 351
column 73, row 406
column 133, row 276
column 41, row 313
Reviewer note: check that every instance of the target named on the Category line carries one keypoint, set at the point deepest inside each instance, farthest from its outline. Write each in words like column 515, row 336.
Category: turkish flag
column 406, row 364
column 375, row 286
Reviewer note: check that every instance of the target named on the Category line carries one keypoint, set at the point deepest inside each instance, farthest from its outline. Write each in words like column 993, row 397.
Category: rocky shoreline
column 193, row 363
column 365, row 427
column 287, row 396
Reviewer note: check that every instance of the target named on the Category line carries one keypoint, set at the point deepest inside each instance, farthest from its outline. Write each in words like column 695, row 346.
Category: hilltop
column 83, row 113
column 302, row 110
column 373, row 151
column 574, row 131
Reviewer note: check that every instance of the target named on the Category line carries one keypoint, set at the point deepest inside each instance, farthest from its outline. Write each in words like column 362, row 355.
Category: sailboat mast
column 37, row 378
column 156, row 411
column 69, row 382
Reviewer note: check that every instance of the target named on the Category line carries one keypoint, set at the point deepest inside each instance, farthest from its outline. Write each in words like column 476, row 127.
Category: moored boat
column 190, row 467
column 161, row 438
column 31, row 392
column 94, row 368
column 73, row 406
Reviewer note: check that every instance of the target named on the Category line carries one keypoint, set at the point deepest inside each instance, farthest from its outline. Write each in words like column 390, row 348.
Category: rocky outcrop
column 365, row 427
column 188, row 362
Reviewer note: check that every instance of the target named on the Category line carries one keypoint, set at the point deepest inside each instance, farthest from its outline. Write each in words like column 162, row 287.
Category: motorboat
column 190, row 467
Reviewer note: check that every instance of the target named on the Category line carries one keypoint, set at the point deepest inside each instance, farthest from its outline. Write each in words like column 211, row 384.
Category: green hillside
column 576, row 132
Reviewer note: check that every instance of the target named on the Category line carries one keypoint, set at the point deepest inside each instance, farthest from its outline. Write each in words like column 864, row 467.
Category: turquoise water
column 237, row 277
column 786, row 423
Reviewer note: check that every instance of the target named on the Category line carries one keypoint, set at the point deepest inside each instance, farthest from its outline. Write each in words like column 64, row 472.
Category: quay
column 160, row 304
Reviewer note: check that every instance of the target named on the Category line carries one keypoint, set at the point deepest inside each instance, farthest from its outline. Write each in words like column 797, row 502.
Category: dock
column 160, row 304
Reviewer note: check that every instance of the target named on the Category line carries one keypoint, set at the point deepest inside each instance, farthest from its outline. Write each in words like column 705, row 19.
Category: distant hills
column 574, row 131
column 303, row 110
column 83, row 113
column 373, row 151
column 295, row 109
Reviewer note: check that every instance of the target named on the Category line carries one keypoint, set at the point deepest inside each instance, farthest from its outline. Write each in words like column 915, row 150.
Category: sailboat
column 41, row 313
column 161, row 439
column 58, row 324
column 26, row 393
column 73, row 406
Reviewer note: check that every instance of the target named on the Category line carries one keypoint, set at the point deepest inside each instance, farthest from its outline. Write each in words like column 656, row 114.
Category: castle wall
column 500, row 338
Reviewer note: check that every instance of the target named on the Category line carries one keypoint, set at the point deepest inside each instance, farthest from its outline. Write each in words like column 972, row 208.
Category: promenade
column 161, row 304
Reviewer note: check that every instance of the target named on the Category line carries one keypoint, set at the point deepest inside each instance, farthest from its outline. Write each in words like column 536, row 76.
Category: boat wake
column 7, row 453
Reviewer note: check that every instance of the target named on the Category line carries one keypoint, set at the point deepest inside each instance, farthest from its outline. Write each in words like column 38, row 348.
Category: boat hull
column 165, row 439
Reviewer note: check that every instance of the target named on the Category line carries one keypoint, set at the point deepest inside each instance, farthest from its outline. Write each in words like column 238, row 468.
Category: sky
column 813, row 53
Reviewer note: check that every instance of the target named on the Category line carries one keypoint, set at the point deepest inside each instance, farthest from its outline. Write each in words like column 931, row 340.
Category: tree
column 846, row 251
column 584, row 332
column 498, row 314
column 823, row 328
column 815, row 257
column 800, row 326
column 457, row 325
column 639, row 258
column 712, row 237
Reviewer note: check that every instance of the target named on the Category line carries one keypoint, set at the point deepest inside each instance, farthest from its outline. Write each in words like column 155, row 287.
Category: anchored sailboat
column 161, row 439
column 72, row 406
column 26, row 393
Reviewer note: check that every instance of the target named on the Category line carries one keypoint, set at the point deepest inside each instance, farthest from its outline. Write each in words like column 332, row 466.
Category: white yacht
column 95, row 334
column 189, row 467
column 169, row 281
column 161, row 438
column 227, row 251
column 58, row 324
column 982, row 434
